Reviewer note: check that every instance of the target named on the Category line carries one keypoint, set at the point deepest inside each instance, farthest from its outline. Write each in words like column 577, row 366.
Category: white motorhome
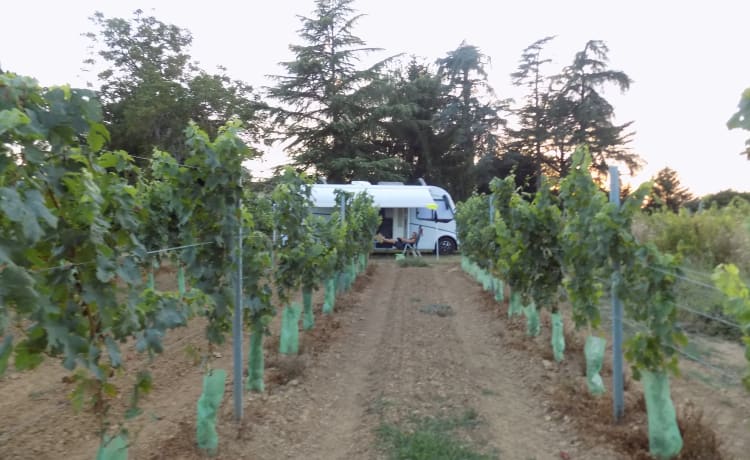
column 403, row 209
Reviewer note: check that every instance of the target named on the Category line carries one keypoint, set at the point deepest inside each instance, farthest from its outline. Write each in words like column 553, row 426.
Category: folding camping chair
column 414, row 247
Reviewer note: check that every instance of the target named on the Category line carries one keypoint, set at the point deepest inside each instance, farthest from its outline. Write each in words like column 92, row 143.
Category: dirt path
column 441, row 366
column 393, row 363
column 378, row 361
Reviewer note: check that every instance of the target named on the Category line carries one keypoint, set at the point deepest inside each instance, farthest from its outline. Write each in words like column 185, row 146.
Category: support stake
column 237, row 390
column 617, row 361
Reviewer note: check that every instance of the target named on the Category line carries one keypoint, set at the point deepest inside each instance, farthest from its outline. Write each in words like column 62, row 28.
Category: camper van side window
column 425, row 214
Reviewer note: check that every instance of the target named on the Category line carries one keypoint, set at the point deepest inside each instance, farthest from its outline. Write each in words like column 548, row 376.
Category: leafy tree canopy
column 720, row 199
column 150, row 88
column 741, row 119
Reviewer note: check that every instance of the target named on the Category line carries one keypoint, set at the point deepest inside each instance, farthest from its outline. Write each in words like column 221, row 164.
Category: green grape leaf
column 97, row 137
column 12, row 119
column 129, row 272
column 27, row 355
column 17, row 287
column 11, row 204
column 105, row 268
column 169, row 316
column 113, row 350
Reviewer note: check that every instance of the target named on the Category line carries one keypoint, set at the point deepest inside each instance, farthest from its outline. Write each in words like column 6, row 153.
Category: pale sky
column 688, row 59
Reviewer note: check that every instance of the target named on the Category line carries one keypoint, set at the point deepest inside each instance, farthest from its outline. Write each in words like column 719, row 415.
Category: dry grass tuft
column 594, row 416
column 289, row 368
column 698, row 436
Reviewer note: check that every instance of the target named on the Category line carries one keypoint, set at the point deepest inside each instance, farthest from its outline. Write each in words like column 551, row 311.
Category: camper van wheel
column 446, row 245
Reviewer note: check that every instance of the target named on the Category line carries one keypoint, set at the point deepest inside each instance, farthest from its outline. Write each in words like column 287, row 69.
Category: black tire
column 446, row 245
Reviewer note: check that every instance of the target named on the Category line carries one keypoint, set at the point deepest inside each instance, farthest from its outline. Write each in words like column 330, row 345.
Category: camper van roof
column 384, row 196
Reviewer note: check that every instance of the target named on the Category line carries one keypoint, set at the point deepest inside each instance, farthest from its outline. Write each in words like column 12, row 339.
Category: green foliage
column 513, row 214
column 410, row 131
column 474, row 218
column 539, row 234
column 741, row 119
column 668, row 193
column 69, row 229
column 466, row 114
column 523, row 167
column 151, row 89
column 727, row 279
column 364, row 222
column 72, row 235
column 328, row 107
column 80, row 227
column 297, row 253
column 430, row 439
column 537, row 246
column 720, row 199
column 66, row 232
column 210, row 195
column 582, row 251
column 567, row 109
column 704, row 239
column 532, row 137
column 646, row 288
column 412, row 262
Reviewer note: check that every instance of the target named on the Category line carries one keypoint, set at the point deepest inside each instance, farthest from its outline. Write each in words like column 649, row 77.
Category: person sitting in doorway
column 398, row 242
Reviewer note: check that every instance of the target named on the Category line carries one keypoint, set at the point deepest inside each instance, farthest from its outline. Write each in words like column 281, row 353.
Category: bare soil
column 382, row 357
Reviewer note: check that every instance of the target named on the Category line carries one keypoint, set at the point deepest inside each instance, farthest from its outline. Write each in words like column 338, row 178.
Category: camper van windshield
column 443, row 213
column 444, row 210
column 449, row 203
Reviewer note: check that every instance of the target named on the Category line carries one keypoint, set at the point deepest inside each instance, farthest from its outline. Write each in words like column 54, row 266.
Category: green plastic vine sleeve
column 558, row 336
column 330, row 296
column 515, row 308
column 532, row 320
column 289, row 337
column 499, row 290
column 208, row 407
column 308, row 320
column 181, row 280
column 594, row 352
column 113, row 448
column 664, row 439
column 255, row 359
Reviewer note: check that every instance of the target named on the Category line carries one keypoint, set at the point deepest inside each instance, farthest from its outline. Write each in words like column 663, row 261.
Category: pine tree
column 584, row 116
column 568, row 109
column 668, row 192
column 328, row 109
column 533, row 136
column 411, row 128
column 469, row 115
